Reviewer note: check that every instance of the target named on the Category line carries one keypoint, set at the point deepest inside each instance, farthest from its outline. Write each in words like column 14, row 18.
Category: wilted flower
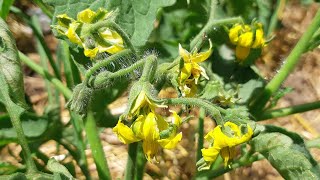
column 104, row 40
column 149, row 127
column 246, row 37
column 224, row 140
column 191, row 70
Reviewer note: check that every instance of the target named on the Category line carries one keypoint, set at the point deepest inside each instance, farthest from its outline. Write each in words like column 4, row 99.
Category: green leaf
column 60, row 172
column 248, row 89
column 7, row 168
column 10, row 66
column 286, row 152
column 5, row 7
column 33, row 127
column 137, row 17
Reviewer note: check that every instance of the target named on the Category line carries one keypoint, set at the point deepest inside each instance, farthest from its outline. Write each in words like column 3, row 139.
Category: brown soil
column 180, row 162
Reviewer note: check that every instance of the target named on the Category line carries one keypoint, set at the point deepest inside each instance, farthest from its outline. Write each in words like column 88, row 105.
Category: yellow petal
column 72, row 35
column 176, row 118
column 91, row 52
column 139, row 102
column 246, row 39
column 184, row 54
column 210, row 154
column 150, row 149
column 259, row 40
column 64, row 20
column 202, row 56
column 185, row 72
column 170, row 143
column 242, row 52
column 227, row 154
column 86, row 16
column 162, row 124
column 150, row 130
column 234, row 33
column 124, row 133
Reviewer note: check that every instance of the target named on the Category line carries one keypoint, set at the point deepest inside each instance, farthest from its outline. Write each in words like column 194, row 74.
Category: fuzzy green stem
column 149, row 69
column 197, row 42
column 210, row 174
column 45, row 74
column 288, row 111
column 258, row 105
column 106, row 62
column 202, row 115
column 114, row 26
column 211, row 109
column 131, row 162
column 96, row 146
column 101, row 80
column 15, row 120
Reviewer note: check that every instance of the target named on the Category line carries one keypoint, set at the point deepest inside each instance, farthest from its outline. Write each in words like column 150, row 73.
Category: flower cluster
column 246, row 37
column 149, row 127
column 223, row 140
column 103, row 40
column 191, row 70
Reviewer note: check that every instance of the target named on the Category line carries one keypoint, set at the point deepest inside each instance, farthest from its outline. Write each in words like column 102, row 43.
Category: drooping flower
column 104, row 39
column 191, row 70
column 246, row 37
column 224, row 140
column 149, row 127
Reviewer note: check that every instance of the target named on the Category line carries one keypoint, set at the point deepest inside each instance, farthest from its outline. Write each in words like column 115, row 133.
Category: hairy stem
column 212, row 110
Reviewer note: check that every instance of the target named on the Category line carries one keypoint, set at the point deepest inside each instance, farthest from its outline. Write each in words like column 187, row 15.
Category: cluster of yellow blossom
column 223, row 140
column 246, row 37
column 191, row 70
column 105, row 39
column 149, row 127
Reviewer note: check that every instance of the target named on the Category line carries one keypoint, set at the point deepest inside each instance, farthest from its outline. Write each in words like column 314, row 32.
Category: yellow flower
column 148, row 128
column 143, row 104
column 245, row 38
column 191, row 70
column 124, row 133
column 106, row 40
column 224, row 142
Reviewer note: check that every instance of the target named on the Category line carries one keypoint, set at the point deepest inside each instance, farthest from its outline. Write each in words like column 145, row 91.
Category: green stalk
column 96, row 146
column 149, row 69
column 44, row 8
column 211, row 174
column 70, row 70
column 15, row 120
column 202, row 115
column 274, row 18
column 106, row 62
column 45, row 74
column 197, row 42
column 43, row 60
column 211, row 109
column 288, row 111
column 257, row 106
column 131, row 162
column 39, row 36
column 141, row 162
column 101, row 80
